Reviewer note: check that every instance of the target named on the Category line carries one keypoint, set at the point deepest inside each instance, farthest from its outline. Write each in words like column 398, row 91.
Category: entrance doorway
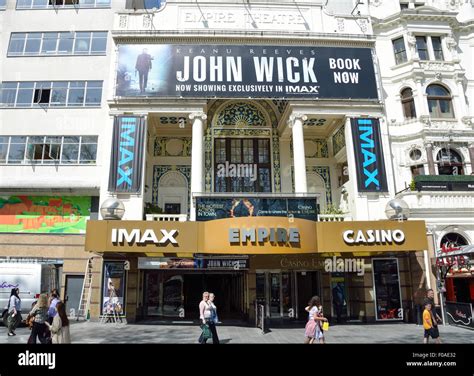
column 285, row 294
column 73, row 292
column 176, row 294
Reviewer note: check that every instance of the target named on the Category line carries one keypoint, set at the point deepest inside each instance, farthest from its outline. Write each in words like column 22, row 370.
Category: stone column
column 471, row 155
column 429, row 157
column 197, row 159
column 299, row 161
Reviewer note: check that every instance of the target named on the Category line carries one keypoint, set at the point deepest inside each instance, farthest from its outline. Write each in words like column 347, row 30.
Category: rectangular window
column 437, row 48
column 49, row 45
column 16, row 152
column 3, row 4
column 399, row 50
column 17, row 44
column 88, row 152
column 58, row 43
column 33, row 44
column 242, row 165
column 70, row 150
column 55, row 4
column 417, row 170
column 54, row 94
column 48, row 149
column 422, row 48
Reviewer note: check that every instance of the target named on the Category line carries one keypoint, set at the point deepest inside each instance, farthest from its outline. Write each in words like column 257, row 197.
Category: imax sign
column 137, row 236
column 370, row 167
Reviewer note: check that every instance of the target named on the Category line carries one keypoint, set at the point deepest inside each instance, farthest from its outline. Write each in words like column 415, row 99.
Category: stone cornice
column 263, row 38
column 416, row 15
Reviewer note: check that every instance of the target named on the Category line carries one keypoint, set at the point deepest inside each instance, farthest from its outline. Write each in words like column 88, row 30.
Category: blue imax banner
column 227, row 71
column 370, row 166
column 127, row 154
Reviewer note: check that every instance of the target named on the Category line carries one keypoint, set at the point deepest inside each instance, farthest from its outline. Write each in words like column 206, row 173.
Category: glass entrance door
column 275, row 295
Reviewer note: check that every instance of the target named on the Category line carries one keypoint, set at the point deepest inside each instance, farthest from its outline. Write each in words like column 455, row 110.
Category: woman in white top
column 214, row 319
column 313, row 328
column 60, row 326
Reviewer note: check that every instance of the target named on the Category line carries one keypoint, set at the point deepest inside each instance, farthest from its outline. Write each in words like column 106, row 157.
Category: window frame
column 397, row 53
column 59, row 141
column 98, row 4
column 93, row 36
column 408, row 101
column 228, row 181
column 448, row 99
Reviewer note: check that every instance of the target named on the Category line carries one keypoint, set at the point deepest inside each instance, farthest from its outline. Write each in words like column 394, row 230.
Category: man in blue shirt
column 52, row 305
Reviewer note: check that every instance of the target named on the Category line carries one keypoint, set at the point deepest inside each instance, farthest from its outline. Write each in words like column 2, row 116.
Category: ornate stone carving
column 451, row 45
column 340, row 24
column 363, row 25
column 411, row 41
column 147, row 21
column 436, row 66
column 376, row 3
column 123, row 21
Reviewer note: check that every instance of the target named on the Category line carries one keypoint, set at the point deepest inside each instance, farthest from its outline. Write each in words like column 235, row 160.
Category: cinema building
column 245, row 150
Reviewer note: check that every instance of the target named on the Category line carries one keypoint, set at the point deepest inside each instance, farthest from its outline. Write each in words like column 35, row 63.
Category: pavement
column 95, row 332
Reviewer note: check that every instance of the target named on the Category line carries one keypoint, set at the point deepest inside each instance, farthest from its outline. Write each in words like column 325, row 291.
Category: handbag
column 206, row 332
column 325, row 326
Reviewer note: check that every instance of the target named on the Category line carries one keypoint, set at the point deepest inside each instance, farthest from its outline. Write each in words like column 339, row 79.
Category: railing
column 333, row 218
column 459, row 201
column 167, row 217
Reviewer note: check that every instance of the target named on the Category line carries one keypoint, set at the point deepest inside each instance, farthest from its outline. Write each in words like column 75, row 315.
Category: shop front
column 362, row 271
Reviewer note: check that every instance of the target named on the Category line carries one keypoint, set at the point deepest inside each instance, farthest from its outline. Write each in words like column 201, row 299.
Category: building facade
column 254, row 148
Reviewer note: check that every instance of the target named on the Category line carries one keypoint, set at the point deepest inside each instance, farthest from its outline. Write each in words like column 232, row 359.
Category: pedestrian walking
column 40, row 313
column 313, row 329
column 205, row 315
column 338, row 300
column 430, row 329
column 143, row 67
column 14, row 311
column 434, row 315
column 54, row 300
column 214, row 319
column 60, row 327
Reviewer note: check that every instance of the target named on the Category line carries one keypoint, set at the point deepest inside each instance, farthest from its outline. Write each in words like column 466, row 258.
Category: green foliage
column 332, row 209
column 152, row 209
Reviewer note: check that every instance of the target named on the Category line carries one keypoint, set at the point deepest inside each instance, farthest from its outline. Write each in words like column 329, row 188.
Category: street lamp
column 112, row 209
column 397, row 209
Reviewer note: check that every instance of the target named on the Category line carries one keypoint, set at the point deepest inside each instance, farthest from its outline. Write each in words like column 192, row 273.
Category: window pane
column 9, row 93
column 399, row 49
column 59, row 94
column 70, row 153
column 76, row 94
column 263, row 151
column 432, row 106
column 40, row 3
column 93, row 96
column 264, row 180
column 82, row 43
column 445, row 106
column 422, row 48
column 89, row 139
column 248, row 151
column 437, row 90
column 3, row 149
column 88, row 153
column 33, row 43
column 50, row 41
column 66, row 41
column 437, row 48
column 25, row 94
column 17, row 150
column 235, row 151
column 17, row 44
column 99, row 42
column 23, row 4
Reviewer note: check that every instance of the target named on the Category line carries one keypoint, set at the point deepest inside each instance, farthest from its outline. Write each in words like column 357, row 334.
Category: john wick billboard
column 208, row 208
column 370, row 165
column 227, row 71
column 126, row 161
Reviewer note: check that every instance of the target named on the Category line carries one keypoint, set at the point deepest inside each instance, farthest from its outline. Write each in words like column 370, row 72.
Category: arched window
column 408, row 103
column 449, row 162
column 439, row 102
column 453, row 239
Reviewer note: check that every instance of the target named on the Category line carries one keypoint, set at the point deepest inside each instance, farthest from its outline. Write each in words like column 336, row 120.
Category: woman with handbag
column 313, row 328
column 40, row 313
column 205, row 315
column 14, row 311
column 60, row 326
column 214, row 319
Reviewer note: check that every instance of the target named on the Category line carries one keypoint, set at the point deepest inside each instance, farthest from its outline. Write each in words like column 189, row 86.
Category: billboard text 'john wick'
column 225, row 71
